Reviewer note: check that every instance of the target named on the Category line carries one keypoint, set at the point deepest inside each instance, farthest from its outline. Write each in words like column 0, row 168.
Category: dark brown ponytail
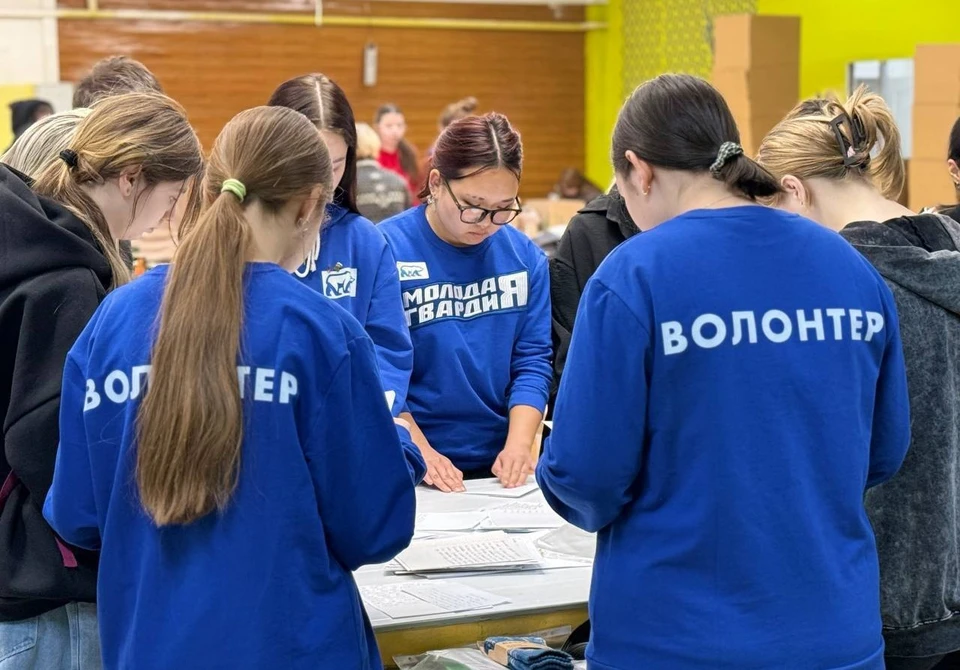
column 681, row 122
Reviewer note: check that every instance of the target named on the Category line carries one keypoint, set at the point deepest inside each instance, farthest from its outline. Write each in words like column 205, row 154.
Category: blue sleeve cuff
column 528, row 397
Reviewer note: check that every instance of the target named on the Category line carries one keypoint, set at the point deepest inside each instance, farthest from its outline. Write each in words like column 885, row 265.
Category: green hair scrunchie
column 236, row 187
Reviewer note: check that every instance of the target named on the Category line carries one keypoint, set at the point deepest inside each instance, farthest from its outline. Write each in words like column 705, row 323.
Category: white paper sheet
column 569, row 543
column 432, row 522
column 524, row 515
column 493, row 487
column 396, row 603
column 472, row 552
column 453, row 597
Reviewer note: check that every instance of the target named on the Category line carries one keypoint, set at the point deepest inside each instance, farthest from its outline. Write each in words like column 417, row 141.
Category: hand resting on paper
column 441, row 473
column 514, row 465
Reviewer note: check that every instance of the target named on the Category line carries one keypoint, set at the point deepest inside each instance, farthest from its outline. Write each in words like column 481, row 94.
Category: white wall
column 29, row 52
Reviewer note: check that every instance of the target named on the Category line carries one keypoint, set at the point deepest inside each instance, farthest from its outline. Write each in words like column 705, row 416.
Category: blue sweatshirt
column 734, row 385
column 355, row 268
column 479, row 318
column 324, row 488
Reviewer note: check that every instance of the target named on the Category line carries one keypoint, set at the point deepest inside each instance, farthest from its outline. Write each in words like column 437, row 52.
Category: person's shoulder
column 401, row 224
column 137, row 295
column 125, row 313
column 590, row 222
column 361, row 229
column 952, row 212
column 295, row 301
column 521, row 243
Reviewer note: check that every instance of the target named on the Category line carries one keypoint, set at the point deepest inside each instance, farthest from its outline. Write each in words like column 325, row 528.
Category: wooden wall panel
column 353, row 8
column 216, row 70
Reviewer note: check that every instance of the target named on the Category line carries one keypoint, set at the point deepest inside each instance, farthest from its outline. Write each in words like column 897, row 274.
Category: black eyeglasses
column 474, row 214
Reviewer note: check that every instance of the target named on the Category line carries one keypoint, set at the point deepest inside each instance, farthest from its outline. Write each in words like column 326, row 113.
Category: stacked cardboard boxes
column 757, row 69
column 936, row 107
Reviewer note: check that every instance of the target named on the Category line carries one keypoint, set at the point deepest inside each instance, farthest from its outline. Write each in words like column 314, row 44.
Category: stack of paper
column 568, row 543
column 470, row 553
column 493, row 488
column 522, row 515
column 432, row 522
column 413, row 599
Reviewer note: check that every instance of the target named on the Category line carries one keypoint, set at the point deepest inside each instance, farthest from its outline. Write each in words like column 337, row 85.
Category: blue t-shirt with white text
column 479, row 319
column 735, row 383
column 356, row 268
column 324, row 488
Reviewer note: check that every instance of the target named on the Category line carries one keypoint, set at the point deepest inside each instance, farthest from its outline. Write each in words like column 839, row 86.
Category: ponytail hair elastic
column 727, row 151
column 69, row 156
column 236, row 187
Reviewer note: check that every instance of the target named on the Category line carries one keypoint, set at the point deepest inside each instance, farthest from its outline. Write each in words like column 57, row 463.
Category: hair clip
column 859, row 131
column 847, row 150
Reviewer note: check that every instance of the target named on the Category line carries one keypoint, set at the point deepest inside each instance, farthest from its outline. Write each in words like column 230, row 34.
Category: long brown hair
column 190, row 426
column 147, row 131
column 829, row 139
column 406, row 151
column 321, row 100
column 680, row 122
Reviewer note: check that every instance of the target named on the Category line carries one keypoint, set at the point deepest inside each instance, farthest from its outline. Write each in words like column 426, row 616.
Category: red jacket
column 391, row 161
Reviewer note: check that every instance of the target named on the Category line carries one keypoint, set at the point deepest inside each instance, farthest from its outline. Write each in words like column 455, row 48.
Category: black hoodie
column 52, row 278
column 915, row 514
column 597, row 229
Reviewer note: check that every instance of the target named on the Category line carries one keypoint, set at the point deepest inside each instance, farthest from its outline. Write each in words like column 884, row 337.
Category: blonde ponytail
column 824, row 138
column 147, row 132
column 871, row 113
column 63, row 183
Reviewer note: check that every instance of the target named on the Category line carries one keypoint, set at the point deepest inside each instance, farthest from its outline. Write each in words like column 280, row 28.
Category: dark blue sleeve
column 415, row 463
column 386, row 325
column 531, row 369
column 361, row 470
column 890, row 438
column 593, row 456
column 70, row 507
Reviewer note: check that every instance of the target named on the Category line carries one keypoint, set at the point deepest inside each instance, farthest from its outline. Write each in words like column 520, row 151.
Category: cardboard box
column 553, row 212
column 904, row 198
column 936, row 74
column 930, row 184
column 763, row 92
column 748, row 41
column 931, row 130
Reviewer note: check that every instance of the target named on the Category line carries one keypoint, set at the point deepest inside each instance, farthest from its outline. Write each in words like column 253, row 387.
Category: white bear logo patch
column 340, row 283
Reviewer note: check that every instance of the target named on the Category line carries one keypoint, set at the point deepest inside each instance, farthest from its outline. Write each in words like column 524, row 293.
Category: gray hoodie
column 916, row 515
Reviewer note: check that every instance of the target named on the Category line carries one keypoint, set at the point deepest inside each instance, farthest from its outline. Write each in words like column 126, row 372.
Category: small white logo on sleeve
column 340, row 283
column 412, row 271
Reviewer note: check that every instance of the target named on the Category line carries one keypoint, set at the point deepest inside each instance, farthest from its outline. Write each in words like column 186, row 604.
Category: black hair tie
column 69, row 156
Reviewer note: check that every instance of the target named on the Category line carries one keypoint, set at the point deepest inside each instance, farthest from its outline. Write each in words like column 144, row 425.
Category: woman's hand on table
column 514, row 465
column 441, row 473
